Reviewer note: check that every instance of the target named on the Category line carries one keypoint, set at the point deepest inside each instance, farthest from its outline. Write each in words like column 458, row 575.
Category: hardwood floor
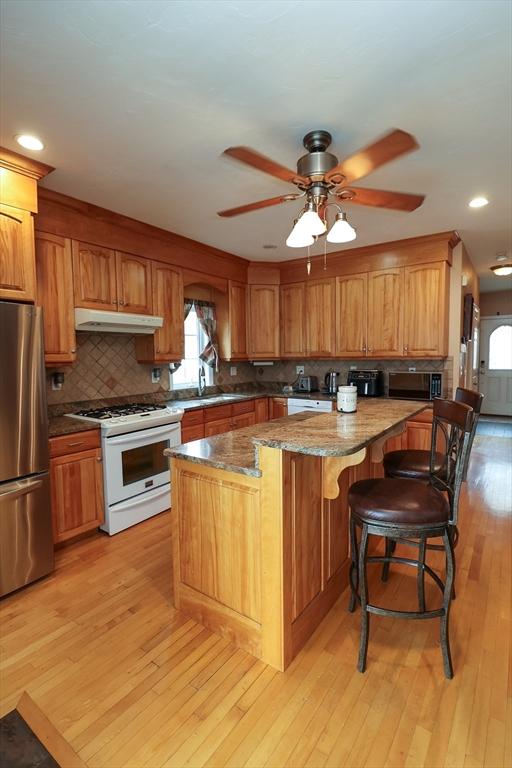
column 130, row 682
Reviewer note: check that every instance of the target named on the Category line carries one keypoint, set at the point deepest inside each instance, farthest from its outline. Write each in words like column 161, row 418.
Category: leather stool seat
column 412, row 464
column 398, row 502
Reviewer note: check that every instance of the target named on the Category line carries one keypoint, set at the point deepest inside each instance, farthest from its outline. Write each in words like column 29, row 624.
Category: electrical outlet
column 353, row 367
column 412, row 368
column 299, row 369
column 232, row 370
column 156, row 374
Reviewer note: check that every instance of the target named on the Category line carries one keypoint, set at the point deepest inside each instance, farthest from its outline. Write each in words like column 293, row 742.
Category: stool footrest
column 404, row 614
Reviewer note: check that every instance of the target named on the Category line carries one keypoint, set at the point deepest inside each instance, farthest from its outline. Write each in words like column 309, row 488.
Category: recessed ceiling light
column 502, row 270
column 29, row 142
column 478, row 202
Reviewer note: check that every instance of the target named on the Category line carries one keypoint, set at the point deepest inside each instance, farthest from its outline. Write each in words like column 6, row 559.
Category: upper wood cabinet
column 232, row 322
column 425, row 310
column 263, row 321
column 55, row 295
column 320, row 317
column 293, row 302
column 94, row 277
column 385, row 313
column 351, row 315
column 134, row 284
column 167, row 343
column 17, row 266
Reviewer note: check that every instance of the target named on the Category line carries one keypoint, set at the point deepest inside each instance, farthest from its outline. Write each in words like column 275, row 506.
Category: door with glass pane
column 496, row 365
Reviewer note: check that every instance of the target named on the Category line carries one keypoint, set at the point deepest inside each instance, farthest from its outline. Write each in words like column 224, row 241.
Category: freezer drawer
column 26, row 540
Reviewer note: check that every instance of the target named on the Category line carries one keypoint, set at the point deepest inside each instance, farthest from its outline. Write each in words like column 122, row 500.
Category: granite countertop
column 324, row 434
column 63, row 425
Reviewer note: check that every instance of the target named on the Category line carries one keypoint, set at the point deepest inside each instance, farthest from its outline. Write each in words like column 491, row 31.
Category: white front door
column 496, row 365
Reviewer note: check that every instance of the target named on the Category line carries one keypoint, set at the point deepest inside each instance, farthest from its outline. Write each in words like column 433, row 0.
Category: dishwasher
column 298, row 405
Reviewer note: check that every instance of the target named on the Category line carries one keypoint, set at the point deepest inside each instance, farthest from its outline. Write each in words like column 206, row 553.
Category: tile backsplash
column 105, row 367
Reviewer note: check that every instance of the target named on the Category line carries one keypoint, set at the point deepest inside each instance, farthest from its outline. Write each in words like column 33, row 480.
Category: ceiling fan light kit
column 502, row 270
column 320, row 176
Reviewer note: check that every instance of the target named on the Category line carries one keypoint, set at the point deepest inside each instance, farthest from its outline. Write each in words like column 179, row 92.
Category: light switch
column 232, row 370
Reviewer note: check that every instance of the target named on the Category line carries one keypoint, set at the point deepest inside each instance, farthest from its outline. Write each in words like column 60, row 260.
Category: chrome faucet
column 201, row 383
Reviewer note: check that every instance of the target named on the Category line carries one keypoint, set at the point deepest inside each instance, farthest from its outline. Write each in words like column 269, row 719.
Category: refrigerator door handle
column 20, row 488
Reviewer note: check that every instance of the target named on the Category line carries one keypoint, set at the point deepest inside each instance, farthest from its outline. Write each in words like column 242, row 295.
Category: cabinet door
column 385, row 291
column 292, row 301
column 261, row 410
column 238, row 319
column 77, row 493
column 192, row 433
column 278, row 407
column 134, row 284
column 320, row 317
column 217, row 427
column 94, row 276
column 17, row 264
column 243, row 420
column 263, row 321
column 167, row 345
column 426, row 310
column 351, row 310
column 55, row 294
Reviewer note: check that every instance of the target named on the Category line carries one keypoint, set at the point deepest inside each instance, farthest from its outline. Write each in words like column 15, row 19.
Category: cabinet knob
column 121, row 303
column 99, row 458
column 72, row 351
column 406, row 348
column 363, row 349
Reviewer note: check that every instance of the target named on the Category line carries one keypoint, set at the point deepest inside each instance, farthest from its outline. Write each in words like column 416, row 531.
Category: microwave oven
column 415, row 386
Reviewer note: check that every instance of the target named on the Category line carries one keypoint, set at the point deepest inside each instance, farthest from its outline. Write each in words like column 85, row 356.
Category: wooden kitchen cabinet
column 243, row 420
column 134, row 292
column 167, row 344
column 278, row 407
column 320, row 317
column 263, row 321
column 261, row 410
column 292, row 312
column 55, row 294
column 192, row 433
column 76, row 479
column 94, row 277
column 17, row 264
column 351, row 315
column 426, row 310
column 385, row 313
column 232, row 322
column 217, row 427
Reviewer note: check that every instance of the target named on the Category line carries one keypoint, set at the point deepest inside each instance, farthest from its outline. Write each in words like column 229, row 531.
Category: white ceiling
column 135, row 102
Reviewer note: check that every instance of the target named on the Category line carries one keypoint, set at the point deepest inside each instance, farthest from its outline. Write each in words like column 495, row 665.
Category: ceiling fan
column 320, row 176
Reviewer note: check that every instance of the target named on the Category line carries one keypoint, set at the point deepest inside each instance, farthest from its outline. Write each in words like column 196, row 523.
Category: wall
column 105, row 367
column 461, row 266
column 496, row 303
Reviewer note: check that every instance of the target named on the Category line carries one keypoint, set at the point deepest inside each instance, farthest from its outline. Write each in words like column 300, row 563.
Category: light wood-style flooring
column 130, row 682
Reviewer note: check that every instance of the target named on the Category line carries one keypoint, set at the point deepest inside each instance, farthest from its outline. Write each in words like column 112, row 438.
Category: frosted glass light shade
column 311, row 223
column 341, row 231
column 299, row 238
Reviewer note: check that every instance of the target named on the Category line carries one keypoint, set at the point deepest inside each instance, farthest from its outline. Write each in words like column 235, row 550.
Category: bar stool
column 415, row 464
column 412, row 509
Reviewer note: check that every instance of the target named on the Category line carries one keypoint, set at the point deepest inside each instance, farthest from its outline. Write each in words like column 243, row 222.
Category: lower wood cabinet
column 261, row 410
column 76, row 478
column 278, row 407
column 207, row 422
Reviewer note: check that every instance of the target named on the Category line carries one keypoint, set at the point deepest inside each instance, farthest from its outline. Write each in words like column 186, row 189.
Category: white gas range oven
column 136, row 476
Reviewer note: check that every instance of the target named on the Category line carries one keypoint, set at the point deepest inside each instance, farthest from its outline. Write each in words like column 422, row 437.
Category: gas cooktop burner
column 119, row 410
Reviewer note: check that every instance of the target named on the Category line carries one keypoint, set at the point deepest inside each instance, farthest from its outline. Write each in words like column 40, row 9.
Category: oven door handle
column 145, row 498
column 136, row 437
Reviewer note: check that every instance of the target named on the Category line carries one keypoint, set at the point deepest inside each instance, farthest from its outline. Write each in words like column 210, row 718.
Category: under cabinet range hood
column 115, row 322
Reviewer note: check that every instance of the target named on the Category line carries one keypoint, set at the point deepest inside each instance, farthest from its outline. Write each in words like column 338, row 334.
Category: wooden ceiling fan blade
column 381, row 198
column 389, row 147
column 261, row 163
column 255, row 206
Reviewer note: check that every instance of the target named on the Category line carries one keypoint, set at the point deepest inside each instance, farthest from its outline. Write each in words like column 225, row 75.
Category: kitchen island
column 260, row 522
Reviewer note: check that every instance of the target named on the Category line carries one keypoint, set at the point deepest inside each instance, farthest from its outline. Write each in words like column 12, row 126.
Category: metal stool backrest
column 474, row 400
column 454, row 420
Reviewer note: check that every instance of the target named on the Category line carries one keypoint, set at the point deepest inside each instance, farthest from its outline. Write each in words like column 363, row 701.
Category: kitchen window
column 187, row 375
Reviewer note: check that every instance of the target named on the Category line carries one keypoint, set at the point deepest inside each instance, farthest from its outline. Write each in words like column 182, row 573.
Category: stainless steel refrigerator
column 26, row 541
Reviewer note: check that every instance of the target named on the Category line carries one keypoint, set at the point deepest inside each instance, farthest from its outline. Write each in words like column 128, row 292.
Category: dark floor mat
column 20, row 747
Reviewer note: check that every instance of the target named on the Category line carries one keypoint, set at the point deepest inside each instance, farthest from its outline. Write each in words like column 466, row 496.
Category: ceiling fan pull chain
column 308, row 262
